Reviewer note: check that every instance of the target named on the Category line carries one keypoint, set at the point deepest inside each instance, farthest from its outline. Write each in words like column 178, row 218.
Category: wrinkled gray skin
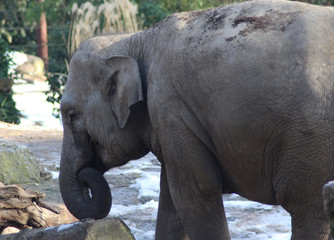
column 238, row 99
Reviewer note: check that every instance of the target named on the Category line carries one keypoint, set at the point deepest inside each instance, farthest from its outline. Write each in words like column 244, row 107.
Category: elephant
column 235, row 99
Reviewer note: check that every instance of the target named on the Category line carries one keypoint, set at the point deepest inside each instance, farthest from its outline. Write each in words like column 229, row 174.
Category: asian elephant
column 237, row 99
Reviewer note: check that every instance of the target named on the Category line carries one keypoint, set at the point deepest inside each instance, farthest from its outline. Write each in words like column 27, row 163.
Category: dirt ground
column 38, row 139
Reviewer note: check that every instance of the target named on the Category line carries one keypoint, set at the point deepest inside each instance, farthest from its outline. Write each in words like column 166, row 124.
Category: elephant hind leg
column 309, row 228
column 308, row 218
column 198, row 205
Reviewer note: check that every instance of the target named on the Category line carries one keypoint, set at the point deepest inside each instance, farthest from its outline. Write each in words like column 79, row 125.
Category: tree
column 42, row 37
column 15, row 26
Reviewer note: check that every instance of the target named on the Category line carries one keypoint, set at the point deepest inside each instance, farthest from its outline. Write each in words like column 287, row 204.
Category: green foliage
column 153, row 11
column 150, row 12
column 15, row 25
column 56, row 82
column 190, row 5
column 5, row 59
column 8, row 111
column 324, row 2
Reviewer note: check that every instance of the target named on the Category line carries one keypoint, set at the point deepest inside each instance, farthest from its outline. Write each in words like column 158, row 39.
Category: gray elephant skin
column 237, row 99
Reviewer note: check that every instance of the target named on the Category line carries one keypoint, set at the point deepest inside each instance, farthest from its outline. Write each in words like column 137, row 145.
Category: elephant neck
column 149, row 138
column 141, row 48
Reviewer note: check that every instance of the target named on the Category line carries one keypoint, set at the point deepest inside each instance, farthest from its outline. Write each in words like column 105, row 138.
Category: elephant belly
column 247, row 172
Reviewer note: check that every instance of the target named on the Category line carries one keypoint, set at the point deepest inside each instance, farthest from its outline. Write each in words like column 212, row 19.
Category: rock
column 108, row 228
column 45, row 175
column 17, row 164
column 112, row 228
column 32, row 69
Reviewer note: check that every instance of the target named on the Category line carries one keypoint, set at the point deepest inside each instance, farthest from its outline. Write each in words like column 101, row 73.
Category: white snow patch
column 18, row 59
column 252, row 220
column 118, row 210
column 148, row 184
column 55, row 175
column 142, row 212
column 239, row 204
column 31, row 101
column 66, row 226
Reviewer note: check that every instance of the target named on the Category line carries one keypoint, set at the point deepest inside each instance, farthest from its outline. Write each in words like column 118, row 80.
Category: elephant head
column 103, row 116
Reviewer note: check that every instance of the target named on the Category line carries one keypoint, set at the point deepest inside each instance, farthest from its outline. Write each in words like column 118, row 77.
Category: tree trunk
column 108, row 228
column 21, row 209
column 42, row 38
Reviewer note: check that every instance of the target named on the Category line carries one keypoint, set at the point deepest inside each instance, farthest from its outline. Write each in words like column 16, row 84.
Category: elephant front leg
column 169, row 226
column 195, row 186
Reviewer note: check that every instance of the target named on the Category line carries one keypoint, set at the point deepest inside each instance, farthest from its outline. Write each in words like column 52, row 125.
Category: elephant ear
column 125, row 87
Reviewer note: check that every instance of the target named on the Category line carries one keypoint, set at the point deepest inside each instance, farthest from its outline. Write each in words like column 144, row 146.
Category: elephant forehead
column 77, row 82
column 76, row 92
column 87, row 66
column 83, row 73
column 80, row 60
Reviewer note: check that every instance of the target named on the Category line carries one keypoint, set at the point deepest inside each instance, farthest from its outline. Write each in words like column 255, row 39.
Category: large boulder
column 32, row 69
column 27, row 67
column 17, row 164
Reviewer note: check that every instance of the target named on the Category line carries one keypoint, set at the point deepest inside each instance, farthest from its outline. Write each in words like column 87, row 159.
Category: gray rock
column 108, row 228
column 17, row 164
column 34, row 67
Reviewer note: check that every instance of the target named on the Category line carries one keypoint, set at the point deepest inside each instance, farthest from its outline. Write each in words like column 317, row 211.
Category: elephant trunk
column 86, row 195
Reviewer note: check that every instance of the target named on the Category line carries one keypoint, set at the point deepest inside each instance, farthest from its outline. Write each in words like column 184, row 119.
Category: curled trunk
column 86, row 195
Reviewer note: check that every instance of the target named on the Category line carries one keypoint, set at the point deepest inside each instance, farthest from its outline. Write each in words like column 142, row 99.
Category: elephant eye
column 71, row 115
